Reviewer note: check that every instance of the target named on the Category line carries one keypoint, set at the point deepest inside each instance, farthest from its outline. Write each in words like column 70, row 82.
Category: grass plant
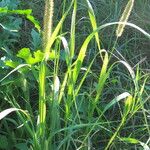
column 80, row 103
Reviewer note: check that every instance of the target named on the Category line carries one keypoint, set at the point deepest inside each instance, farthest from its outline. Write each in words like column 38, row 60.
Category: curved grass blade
column 83, row 49
column 5, row 28
column 93, row 22
column 115, row 100
column 135, row 141
column 103, row 75
column 6, row 112
column 17, row 68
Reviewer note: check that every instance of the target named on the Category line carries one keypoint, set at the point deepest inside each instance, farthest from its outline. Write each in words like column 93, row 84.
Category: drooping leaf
column 15, row 69
column 93, row 22
column 6, row 112
column 116, row 100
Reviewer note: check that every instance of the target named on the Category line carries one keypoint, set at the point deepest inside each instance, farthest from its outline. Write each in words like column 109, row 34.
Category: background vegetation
column 68, row 81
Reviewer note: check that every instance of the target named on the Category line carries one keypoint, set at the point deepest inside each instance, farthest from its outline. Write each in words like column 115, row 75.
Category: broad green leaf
column 3, row 142
column 38, row 56
column 21, row 146
column 53, row 55
column 36, row 39
column 34, row 21
column 21, row 12
column 24, row 53
column 27, row 13
column 3, row 9
column 27, row 56
column 11, row 63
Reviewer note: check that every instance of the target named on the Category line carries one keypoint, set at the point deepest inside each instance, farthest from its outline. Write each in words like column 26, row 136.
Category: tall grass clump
column 47, row 31
column 80, row 103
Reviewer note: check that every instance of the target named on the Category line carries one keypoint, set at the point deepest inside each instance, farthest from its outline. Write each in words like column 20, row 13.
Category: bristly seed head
column 48, row 21
column 124, row 18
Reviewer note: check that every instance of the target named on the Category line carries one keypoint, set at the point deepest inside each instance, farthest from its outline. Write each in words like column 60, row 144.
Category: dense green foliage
column 74, row 75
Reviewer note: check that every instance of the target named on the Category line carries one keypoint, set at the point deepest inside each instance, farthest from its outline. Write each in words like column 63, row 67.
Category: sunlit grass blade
column 103, row 76
column 56, row 87
column 47, row 48
column 14, row 70
column 135, row 141
column 42, row 99
column 6, row 112
column 115, row 100
column 127, row 108
column 62, row 88
column 73, row 28
column 93, row 22
column 85, row 75
column 83, row 49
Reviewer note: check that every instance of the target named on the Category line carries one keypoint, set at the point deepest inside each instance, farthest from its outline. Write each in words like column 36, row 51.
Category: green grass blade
column 6, row 112
column 103, row 75
column 83, row 49
column 93, row 22
column 14, row 70
column 115, row 100
column 73, row 24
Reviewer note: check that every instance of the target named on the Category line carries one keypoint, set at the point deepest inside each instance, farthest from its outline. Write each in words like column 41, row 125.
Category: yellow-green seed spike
column 124, row 17
column 48, row 21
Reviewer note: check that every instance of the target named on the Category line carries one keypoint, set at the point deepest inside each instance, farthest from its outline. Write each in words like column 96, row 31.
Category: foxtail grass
column 124, row 18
